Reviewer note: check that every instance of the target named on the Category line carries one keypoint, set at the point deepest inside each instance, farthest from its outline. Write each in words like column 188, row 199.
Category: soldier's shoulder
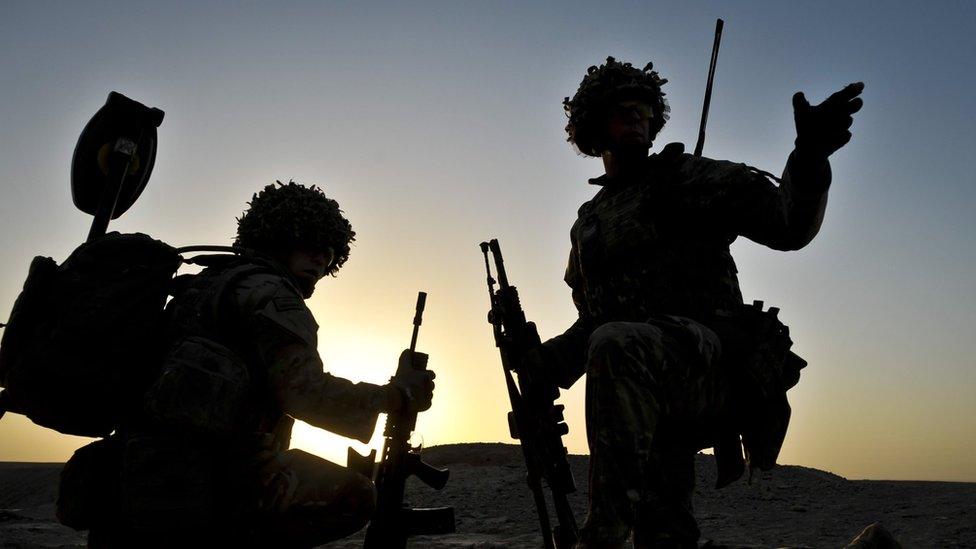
column 271, row 295
column 673, row 156
column 673, row 151
column 677, row 153
column 692, row 169
column 256, row 284
column 586, row 206
column 265, row 281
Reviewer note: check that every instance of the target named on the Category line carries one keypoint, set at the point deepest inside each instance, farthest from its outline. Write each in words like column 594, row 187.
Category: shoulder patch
column 286, row 303
column 254, row 291
column 273, row 298
column 290, row 314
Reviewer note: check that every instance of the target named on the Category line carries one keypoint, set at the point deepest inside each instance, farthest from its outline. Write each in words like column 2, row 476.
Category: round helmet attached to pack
column 600, row 90
column 287, row 216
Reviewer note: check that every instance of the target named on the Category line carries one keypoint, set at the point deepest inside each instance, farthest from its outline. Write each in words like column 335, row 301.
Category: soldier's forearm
column 806, row 181
column 304, row 391
column 340, row 406
column 808, row 174
column 568, row 352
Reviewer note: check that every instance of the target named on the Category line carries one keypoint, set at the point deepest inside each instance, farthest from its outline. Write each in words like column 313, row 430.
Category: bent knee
column 623, row 342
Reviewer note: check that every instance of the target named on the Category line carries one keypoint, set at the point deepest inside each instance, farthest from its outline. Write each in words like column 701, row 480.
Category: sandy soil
column 790, row 506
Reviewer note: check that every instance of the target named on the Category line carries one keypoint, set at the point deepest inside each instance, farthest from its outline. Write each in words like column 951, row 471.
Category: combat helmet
column 601, row 88
column 288, row 216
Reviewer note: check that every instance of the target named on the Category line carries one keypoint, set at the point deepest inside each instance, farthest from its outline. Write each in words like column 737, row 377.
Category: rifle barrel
column 496, row 252
column 418, row 319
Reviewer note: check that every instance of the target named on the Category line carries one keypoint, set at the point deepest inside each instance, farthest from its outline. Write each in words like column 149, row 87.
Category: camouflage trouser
column 307, row 501
column 650, row 388
column 178, row 494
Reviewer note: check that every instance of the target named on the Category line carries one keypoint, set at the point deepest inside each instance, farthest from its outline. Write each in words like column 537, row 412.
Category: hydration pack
column 86, row 337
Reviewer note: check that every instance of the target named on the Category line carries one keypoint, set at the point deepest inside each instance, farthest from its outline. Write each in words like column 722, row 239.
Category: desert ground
column 787, row 507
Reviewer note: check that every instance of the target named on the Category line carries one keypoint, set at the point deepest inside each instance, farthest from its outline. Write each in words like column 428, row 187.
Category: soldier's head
column 300, row 227
column 617, row 107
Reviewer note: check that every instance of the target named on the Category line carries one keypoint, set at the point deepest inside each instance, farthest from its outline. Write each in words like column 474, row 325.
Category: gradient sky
column 439, row 124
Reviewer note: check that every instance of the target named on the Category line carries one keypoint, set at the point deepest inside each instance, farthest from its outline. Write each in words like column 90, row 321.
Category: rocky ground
column 789, row 506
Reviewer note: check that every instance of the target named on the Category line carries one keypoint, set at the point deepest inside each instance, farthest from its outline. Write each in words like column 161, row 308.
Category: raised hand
column 823, row 129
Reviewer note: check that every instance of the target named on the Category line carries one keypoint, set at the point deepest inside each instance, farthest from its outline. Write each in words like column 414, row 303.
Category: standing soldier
column 674, row 361
column 206, row 462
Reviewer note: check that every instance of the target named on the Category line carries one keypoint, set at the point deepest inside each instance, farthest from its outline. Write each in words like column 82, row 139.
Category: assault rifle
column 535, row 420
column 393, row 522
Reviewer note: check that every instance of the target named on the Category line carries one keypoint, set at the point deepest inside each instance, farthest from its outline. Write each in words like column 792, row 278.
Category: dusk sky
column 437, row 125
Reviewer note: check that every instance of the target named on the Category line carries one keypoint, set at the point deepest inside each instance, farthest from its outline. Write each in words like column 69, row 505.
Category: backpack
column 85, row 338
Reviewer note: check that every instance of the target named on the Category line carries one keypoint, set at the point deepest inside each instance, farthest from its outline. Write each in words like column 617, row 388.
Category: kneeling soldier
column 206, row 462
column 674, row 361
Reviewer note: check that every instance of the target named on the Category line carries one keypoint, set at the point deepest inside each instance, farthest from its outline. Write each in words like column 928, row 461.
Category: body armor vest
column 648, row 248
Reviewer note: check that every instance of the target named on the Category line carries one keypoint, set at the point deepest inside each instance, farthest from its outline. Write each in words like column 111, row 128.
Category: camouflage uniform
column 652, row 279
column 209, row 457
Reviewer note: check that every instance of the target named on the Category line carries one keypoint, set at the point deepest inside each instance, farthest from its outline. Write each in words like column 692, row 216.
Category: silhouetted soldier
column 208, row 464
column 674, row 361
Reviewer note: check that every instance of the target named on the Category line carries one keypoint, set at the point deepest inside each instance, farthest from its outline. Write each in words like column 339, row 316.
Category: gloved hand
column 414, row 383
column 824, row 128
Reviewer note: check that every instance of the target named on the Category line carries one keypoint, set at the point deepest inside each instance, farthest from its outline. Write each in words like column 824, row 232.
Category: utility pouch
column 757, row 344
column 756, row 349
column 204, row 387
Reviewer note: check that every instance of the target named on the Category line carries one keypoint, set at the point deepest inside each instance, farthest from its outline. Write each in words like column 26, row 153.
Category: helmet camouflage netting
column 601, row 88
column 283, row 217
